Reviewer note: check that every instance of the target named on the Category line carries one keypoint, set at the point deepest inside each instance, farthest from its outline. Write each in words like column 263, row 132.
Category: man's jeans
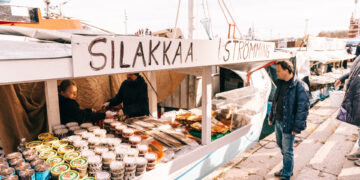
column 286, row 142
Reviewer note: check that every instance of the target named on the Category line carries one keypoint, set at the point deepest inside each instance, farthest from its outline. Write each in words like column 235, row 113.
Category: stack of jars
column 151, row 159
column 140, row 166
column 130, row 167
column 117, row 169
column 95, row 165
column 108, row 158
column 126, row 134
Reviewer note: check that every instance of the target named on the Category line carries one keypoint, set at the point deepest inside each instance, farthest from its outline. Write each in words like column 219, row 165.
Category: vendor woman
column 134, row 96
column 69, row 108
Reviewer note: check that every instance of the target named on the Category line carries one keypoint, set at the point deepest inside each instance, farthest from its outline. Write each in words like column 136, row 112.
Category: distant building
column 354, row 27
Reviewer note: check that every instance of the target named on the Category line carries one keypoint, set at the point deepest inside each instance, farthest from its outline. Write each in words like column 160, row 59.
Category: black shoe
column 285, row 178
column 353, row 157
column 278, row 174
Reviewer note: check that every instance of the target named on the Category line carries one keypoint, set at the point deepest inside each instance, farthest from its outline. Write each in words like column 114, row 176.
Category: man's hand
column 121, row 112
column 337, row 83
column 294, row 133
column 270, row 123
column 109, row 115
column 105, row 105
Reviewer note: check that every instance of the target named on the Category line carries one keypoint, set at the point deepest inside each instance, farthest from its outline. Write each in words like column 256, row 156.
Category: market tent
column 23, row 110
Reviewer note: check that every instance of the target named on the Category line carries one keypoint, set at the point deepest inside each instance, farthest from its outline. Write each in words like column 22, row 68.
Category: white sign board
column 123, row 54
column 326, row 44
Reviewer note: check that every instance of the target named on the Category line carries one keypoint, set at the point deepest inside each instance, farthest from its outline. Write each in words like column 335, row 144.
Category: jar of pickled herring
column 42, row 171
column 61, row 133
column 93, row 128
column 54, row 160
column 95, row 164
column 71, row 124
column 100, row 150
column 86, row 125
column 74, row 138
column 14, row 155
column 102, row 175
column 47, row 154
column 36, row 162
column 43, row 136
column 81, row 165
column 135, row 141
column 80, row 132
column 57, row 169
column 15, row 162
column 132, row 152
column 43, row 148
column 80, row 145
column 101, row 133
column 119, row 129
column 69, row 156
column 87, row 135
column 27, row 174
column 120, row 153
column 94, row 142
column 30, row 158
column 51, row 140
column 29, row 152
column 87, row 153
column 70, row 175
column 65, row 149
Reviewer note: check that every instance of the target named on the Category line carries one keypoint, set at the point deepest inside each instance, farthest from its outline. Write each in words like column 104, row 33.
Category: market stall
column 236, row 113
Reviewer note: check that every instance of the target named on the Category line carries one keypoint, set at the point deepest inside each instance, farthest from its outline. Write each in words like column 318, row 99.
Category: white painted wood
column 170, row 170
column 206, row 106
column 31, row 70
column 52, row 103
column 151, row 93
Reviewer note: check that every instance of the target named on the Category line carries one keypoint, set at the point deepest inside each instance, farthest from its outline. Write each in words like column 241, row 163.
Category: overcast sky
column 271, row 18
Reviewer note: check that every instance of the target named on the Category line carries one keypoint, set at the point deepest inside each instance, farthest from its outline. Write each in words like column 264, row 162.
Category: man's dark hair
column 65, row 84
column 286, row 65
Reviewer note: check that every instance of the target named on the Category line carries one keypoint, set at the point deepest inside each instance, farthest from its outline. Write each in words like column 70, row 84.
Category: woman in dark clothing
column 69, row 108
column 134, row 96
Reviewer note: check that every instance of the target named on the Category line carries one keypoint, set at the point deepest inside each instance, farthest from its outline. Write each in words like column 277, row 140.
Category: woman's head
column 68, row 89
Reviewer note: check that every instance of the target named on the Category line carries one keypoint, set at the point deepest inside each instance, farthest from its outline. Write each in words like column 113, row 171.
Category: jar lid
column 26, row 172
column 65, row 149
column 37, row 162
column 22, row 166
column 54, row 160
column 108, row 121
column 135, row 139
column 86, row 153
column 33, row 144
column 74, row 138
column 99, row 131
column 74, row 128
column 100, row 150
column 141, row 161
column 133, row 152
column 102, row 175
column 59, row 168
column 129, row 160
column 120, row 127
column 72, row 155
column 43, row 148
column 94, row 159
column 13, row 155
column 124, row 146
column 47, row 154
column 78, row 162
column 128, row 131
column 51, row 140
column 61, row 131
column 80, row 132
column 42, row 167
column 119, row 150
column 60, row 126
column 71, row 124
column 87, row 135
column 117, row 165
column 114, row 124
column 94, row 140
column 8, row 171
column 92, row 128
column 69, row 175
column 150, row 156
column 43, row 136
column 80, row 143
column 86, row 125
column 143, row 147
column 109, row 155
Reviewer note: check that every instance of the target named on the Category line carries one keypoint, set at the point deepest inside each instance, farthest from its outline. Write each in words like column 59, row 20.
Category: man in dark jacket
column 342, row 79
column 134, row 96
column 288, row 113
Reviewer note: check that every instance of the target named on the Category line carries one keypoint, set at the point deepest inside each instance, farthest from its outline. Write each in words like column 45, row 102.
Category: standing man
column 288, row 113
column 134, row 96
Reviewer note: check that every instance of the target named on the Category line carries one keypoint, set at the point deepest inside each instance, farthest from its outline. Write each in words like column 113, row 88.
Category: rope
column 150, row 84
column 249, row 73
column 237, row 28
column 177, row 17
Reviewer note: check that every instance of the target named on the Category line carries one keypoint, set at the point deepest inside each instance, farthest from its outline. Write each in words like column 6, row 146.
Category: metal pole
column 191, row 19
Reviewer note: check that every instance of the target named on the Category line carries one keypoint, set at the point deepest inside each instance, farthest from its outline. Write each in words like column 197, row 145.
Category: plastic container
column 33, row 144
column 94, row 142
column 61, row 126
column 120, row 153
column 336, row 98
column 135, row 141
column 65, row 149
column 15, row 162
column 51, row 140
column 37, row 162
column 74, row 138
column 117, row 167
column 43, row 136
column 101, row 133
column 80, row 164
column 79, row 132
column 27, row 174
column 31, row 157
column 95, row 164
column 143, row 149
column 69, row 156
column 69, row 175
column 47, row 154
column 11, row 177
column 57, row 169
column 71, row 124
column 102, row 175
column 8, row 171
column 87, row 135
column 14, row 155
column 43, row 148
column 151, row 157
column 93, row 128
column 42, row 172
column 86, row 125
column 141, row 163
column 61, row 133
column 130, row 162
column 28, row 152
column 87, row 153
column 80, row 145
column 132, row 152
column 54, row 160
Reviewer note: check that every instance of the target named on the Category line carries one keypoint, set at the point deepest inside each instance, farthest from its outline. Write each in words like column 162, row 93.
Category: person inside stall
column 134, row 96
column 70, row 110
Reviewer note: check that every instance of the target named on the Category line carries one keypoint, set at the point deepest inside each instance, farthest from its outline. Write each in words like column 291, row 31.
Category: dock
column 319, row 152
